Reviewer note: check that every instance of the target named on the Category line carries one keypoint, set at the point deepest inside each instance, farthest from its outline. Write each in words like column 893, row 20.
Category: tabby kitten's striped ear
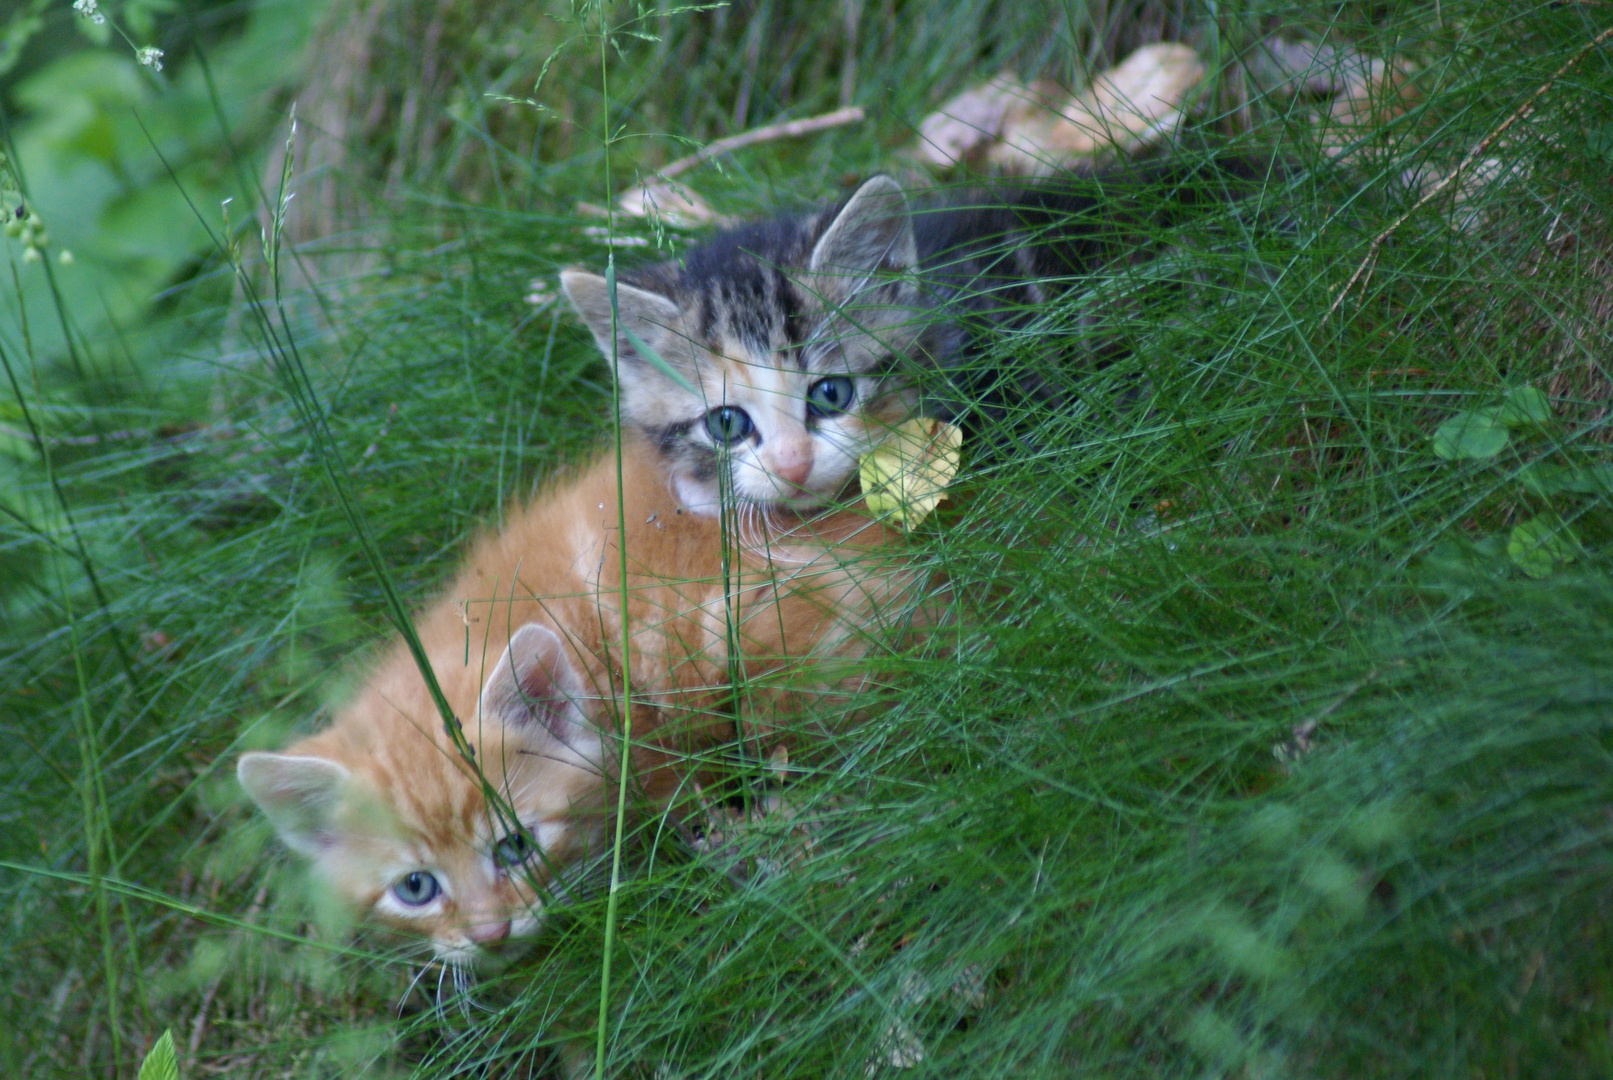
column 536, row 684
column 651, row 317
column 873, row 233
column 299, row 794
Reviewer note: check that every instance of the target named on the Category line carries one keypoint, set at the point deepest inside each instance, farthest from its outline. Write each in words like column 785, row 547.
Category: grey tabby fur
column 797, row 342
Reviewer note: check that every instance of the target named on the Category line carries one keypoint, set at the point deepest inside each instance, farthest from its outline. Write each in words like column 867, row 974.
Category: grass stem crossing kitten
column 526, row 645
column 801, row 336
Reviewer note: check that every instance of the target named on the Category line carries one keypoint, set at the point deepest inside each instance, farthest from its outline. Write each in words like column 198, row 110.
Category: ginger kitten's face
column 399, row 827
column 772, row 355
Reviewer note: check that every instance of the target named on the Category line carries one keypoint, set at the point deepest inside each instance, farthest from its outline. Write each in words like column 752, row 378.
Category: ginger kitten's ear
column 535, row 683
column 651, row 317
column 872, row 232
column 297, row 793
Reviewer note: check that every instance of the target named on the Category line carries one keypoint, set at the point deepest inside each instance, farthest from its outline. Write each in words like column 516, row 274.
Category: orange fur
column 400, row 799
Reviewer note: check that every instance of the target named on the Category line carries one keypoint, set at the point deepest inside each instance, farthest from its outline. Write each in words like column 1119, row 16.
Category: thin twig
column 789, row 129
column 852, row 11
column 1449, row 178
column 199, row 1025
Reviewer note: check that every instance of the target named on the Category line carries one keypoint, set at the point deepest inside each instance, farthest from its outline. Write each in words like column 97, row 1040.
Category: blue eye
column 513, row 850
column 831, row 396
column 728, row 424
column 416, row 888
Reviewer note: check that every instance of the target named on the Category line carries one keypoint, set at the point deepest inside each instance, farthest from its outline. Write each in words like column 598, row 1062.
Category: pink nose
column 489, row 932
column 793, row 470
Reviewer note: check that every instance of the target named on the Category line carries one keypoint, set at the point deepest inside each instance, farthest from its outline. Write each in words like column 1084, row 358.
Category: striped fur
column 891, row 297
column 525, row 644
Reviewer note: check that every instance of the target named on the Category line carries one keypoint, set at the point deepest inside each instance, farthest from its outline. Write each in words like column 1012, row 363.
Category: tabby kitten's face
column 397, row 825
column 776, row 351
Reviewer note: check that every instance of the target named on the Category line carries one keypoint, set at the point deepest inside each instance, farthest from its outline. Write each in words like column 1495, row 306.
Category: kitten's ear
column 535, row 682
column 872, row 232
column 299, row 794
column 653, row 319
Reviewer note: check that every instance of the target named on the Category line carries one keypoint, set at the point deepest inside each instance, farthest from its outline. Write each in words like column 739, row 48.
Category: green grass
column 1252, row 753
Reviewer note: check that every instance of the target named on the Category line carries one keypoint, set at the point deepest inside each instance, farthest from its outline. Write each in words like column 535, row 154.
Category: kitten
column 526, row 646
column 785, row 349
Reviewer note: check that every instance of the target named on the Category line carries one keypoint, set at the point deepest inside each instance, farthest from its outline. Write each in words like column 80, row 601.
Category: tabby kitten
column 526, row 645
column 785, row 349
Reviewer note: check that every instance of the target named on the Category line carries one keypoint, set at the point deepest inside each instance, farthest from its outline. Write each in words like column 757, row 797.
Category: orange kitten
column 526, row 646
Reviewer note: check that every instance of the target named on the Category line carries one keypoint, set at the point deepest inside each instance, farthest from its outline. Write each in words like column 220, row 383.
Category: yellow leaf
column 907, row 475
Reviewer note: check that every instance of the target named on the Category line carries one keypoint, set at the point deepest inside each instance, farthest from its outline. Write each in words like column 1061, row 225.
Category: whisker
column 463, row 978
column 769, row 524
column 442, row 973
column 752, row 533
column 460, row 994
column 409, row 990
column 778, row 549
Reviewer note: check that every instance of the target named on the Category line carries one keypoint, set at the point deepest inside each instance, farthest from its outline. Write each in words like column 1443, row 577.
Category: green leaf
column 1599, row 141
column 1460, row 565
column 1546, row 480
column 1589, row 479
column 160, row 1063
column 1539, row 478
column 1537, row 545
column 140, row 16
column 1525, row 407
column 1473, row 435
column 17, row 32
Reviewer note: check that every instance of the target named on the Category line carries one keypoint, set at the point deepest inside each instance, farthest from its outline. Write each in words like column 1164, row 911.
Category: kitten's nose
column 792, row 470
column 796, row 473
column 488, row 932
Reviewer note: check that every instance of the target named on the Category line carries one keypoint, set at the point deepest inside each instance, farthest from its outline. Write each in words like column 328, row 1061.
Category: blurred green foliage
column 128, row 168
